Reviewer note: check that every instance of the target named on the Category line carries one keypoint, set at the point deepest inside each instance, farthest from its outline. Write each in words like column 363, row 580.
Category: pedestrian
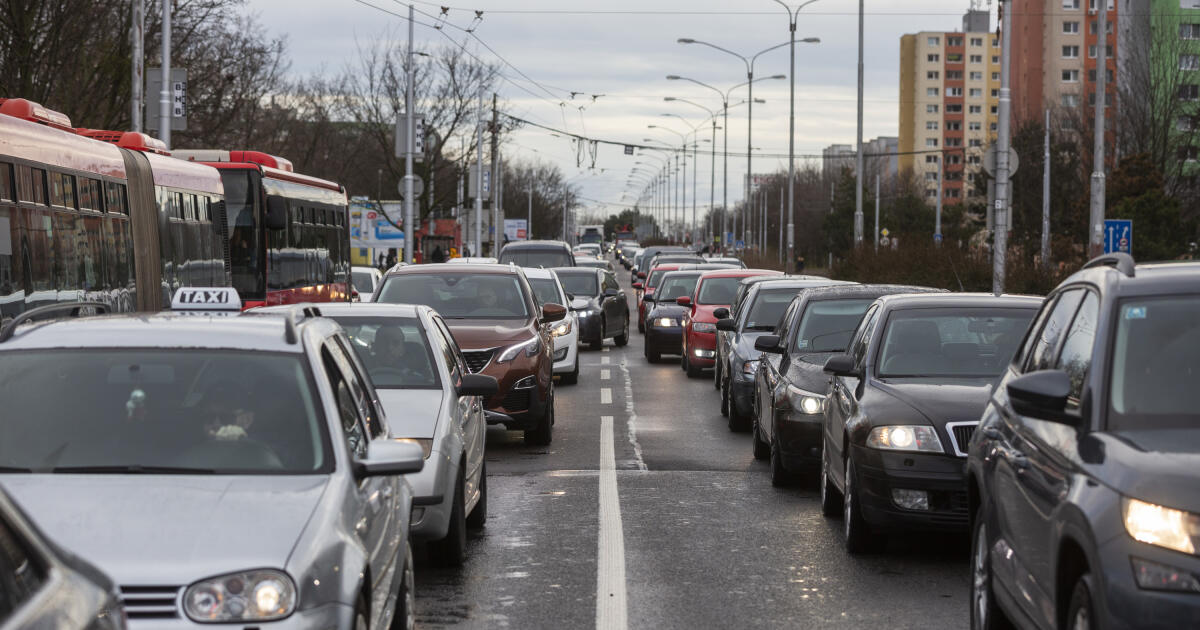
column 438, row 255
column 391, row 259
column 799, row 263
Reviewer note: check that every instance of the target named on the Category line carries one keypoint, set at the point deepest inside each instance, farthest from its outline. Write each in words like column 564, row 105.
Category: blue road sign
column 1118, row 236
column 740, row 244
column 937, row 238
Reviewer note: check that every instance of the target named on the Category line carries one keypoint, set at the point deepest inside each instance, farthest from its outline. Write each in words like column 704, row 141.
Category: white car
column 587, row 249
column 474, row 260
column 547, row 289
column 430, row 397
column 365, row 281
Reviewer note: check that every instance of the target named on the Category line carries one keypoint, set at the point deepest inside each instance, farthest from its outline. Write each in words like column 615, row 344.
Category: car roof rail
column 289, row 327
column 74, row 309
column 1119, row 260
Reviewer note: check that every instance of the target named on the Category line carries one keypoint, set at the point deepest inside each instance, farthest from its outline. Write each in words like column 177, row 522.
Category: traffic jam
column 212, row 418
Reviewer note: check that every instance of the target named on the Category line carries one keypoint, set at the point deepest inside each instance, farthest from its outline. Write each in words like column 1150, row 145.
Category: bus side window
column 31, row 185
column 6, row 182
column 62, row 190
column 114, row 198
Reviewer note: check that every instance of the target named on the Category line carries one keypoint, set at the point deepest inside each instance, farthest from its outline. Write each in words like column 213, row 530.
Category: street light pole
column 1096, row 245
column 858, row 175
column 410, row 231
column 1003, row 142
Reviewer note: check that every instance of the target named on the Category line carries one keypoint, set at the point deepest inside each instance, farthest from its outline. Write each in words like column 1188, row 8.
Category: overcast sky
column 624, row 49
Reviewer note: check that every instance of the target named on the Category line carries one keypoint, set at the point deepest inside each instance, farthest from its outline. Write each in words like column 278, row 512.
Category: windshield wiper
column 134, row 469
column 15, row 469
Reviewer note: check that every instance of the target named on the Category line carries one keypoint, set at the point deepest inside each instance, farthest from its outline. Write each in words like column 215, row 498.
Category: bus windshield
column 245, row 233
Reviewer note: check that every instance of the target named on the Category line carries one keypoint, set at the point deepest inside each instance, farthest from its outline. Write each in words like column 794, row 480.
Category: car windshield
column 718, row 290
column 767, row 308
column 580, row 285
column 676, row 286
column 364, row 282
column 394, row 349
column 827, row 325
column 545, row 291
column 160, row 411
column 1156, row 357
column 951, row 342
column 534, row 257
column 655, row 277
column 459, row 295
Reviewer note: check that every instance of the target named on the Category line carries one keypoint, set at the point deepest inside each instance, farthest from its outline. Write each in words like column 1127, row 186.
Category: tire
column 622, row 339
column 544, row 432
column 985, row 612
column 477, row 519
column 1081, row 611
column 360, row 615
column 762, row 450
column 737, row 422
column 859, row 538
column 599, row 342
column 641, row 326
column 451, row 551
column 717, row 374
column 651, row 356
column 572, row 378
column 405, row 617
column 724, row 398
column 831, row 497
column 683, row 361
column 781, row 477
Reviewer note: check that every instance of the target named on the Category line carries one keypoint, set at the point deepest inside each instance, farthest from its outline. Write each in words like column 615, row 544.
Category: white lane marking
column 611, row 611
column 605, row 375
column 604, row 360
column 631, row 423
column 605, row 396
column 604, row 349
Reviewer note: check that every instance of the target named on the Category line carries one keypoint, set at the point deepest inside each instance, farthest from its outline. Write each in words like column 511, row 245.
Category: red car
column 646, row 288
column 715, row 290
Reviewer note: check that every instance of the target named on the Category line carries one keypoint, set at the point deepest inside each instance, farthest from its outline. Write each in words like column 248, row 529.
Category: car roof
column 538, row 272
column 577, row 271
column 754, row 279
column 681, row 272
column 1143, row 279
column 363, row 268
column 902, row 301
column 459, row 268
column 795, row 283
column 851, row 291
column 740, row 273
column 666, row 267
column 355, row 309
column 536, row 245
column 708, row 266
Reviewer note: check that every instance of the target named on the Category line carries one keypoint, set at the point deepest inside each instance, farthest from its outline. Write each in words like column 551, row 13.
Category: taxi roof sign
column 206, row 299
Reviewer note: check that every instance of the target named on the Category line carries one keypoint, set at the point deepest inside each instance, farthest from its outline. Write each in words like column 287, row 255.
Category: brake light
column 33, row 112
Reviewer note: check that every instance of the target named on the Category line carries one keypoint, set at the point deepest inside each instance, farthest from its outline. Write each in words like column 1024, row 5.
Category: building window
column 954, row 41
column 1189, row 154
column 1070, row 4
column 932, row 75
column 1189, row 62
column 1189, row 31
column 954, row 142
column 975, row 126
column 953, row 125
column 953, row 57
column 931, row 142
column 931, row 176
column 976, row 92
column 975, row 142
column 1070, row 76
column 931, row 193
column 935, row 41
column 1108, row 75
column 976, row 76
column 931, row 92
column 952, row 193
column 953, row 92
column 954, row 109
column 994, row 109
column 973, row 159
column 1092, row 6
column 931, row 159
column 1070, row 28
column 1189, row 92
column 1095, row 26
column 995, row 60
column 954, row 158
column 931, row 125
column 976, row 59
column 975, row 109
column 995, row 93
column 976, row 41
column 954, row 75
column 931, row 109
column 933, row 58
column 1092, row 51
column 995, row 76
column 1070, row 52
column 993, row 127
column 1070, row 100
column 1184, row 123
column 1107, row 99
column 995, row 43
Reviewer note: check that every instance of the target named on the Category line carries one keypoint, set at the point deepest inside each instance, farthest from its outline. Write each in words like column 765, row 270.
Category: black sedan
column 664, row 316
column 598, row 303
column 903, row 404
column 790, row 383
column 1084, row 474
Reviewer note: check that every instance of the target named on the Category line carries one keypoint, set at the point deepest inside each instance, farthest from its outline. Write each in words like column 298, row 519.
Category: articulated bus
column 106, row 218
column 288, row 233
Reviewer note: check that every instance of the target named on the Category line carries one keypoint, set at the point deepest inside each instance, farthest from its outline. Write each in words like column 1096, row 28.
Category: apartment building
column 836, row 157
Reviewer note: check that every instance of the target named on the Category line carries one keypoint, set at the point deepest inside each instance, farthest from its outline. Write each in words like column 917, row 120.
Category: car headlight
column 806, row 402
column 587, row 312
column 531, row 347
column 704, row 327
column 750, row 367
column 1161, row 526
column 919, row 437
column 261, row 595
column 562, row 328
column 666, row 322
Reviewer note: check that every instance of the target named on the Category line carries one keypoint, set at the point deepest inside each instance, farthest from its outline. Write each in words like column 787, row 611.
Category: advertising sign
column 370, row 228
column 515, row 230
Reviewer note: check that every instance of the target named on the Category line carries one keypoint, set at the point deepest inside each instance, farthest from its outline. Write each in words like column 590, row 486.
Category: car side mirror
column 642, row 275
column 721, row 313
column 553, row 312
column 841, row 365
column 385, row 458
column 277, row 212
column 683, row 300
column 477, row 385
column 766, row 343
column 637, row 285
column 611, row 293
column 570, row 297
column 1042, row 394
column 726, row 324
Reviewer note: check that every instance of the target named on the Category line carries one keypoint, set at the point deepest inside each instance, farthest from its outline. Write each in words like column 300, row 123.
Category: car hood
column 950, row 400
column 704, row 312
column 412, row 413
column 477, row 334
column 668, row 310
column 581, row 303
column 807, row 371
column 171, row 529
column 1159, row 466
column 743, row 347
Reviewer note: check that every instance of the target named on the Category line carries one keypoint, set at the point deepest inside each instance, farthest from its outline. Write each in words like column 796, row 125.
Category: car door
column 376, row 517
column 841, row 406
column 465, row 412
column 620, row 307
column 773, row 368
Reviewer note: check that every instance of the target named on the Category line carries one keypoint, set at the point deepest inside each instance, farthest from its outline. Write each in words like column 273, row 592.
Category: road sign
column 178, row 98
column 1118, row 236
column 989, row 161
column 402, row 136
column 418, row 186
column 885, row 241
column 740, row 244
column 473, row 182
column 884, row 232
column 937, row 238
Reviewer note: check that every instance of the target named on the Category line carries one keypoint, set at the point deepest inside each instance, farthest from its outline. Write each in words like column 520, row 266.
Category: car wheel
column 738, row 423
column 451, row 551
column 622, row 339
column 683, row 361
column 1081, row 611
column 478, row 516
column 762, row 450
column 831, row 504
column 406, row 604
column 651, row 356
column 641, row 326
column 724, row 397
column 717, row 374
column 693, row 371
column 543, row 433
column 859, row 538
column 781, row 477
column 599, row 342
column 985, row 612
column 572, row 377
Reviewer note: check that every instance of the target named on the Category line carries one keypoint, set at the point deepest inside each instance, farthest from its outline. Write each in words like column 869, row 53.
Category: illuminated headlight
column 905, row 438
column 1161, row 526
column 587, row 312
column 426, row 444
column 750, row 367
column 666, row 322
column 530, row 348
column 262, row 595
column 562, row 328
column 806, row 402
column 704, row 327
column 704, row 354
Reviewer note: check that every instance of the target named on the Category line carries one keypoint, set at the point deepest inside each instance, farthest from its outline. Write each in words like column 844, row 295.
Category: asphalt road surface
column 647, row 512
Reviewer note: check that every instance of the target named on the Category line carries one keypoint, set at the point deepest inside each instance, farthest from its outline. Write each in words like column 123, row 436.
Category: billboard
column 370, row 228
column 515, row 230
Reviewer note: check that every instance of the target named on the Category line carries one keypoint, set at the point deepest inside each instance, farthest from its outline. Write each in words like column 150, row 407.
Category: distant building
column 880, row 157
column 836, row 157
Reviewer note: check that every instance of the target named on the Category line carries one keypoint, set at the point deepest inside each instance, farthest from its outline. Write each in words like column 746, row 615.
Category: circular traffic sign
column 417, row 184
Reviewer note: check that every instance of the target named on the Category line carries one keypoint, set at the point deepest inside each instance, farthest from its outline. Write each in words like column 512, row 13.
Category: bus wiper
column 133, row 469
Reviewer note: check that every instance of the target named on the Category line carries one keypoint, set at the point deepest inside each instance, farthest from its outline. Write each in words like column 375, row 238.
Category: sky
column 624, row 49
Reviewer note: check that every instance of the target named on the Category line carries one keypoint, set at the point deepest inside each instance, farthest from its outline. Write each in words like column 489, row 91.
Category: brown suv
column 493, row 316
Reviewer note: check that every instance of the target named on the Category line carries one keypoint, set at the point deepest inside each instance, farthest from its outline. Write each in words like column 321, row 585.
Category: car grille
column 150, row 602
column 478, row 359
column 960, row 435
column 517, row 400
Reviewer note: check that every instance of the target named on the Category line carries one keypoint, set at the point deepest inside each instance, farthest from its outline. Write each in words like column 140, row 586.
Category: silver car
column 230, row 469
column 431, row 398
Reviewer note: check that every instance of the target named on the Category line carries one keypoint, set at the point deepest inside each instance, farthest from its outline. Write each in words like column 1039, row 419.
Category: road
column 648, row 504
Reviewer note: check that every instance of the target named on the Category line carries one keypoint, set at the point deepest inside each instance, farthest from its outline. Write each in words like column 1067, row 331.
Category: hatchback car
column 739, row 297
column 645, row 288
column 714, row 290
column 365, row 281
column 647, row 255
column 547, row 289
column 664, row 320
column 537, row 254
column 902, row 406
column 1083, row 474
column 501, row 330
column 599, row 305
column 230, row 469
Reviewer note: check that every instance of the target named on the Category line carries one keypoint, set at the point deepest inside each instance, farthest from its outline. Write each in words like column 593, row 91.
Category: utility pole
column 410, row 225
column 496, row 227
column 529, row 221
column 1003, row 143
column 1046, row 195
column 479, row 176
column 876, row 213
column 858, row 175
column 164, row 95
column 137, row 34
column 695, row 160
column 781, row 210
column 937, row 222
column 712, row 187
column 1096, row 245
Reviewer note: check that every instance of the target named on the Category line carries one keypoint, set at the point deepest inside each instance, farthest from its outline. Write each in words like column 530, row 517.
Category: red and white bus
column 289, row 238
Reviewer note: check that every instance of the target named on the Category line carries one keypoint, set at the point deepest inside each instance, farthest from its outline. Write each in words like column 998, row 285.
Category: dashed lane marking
column 605, row 396
column 604, row 360
column 605, row 375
